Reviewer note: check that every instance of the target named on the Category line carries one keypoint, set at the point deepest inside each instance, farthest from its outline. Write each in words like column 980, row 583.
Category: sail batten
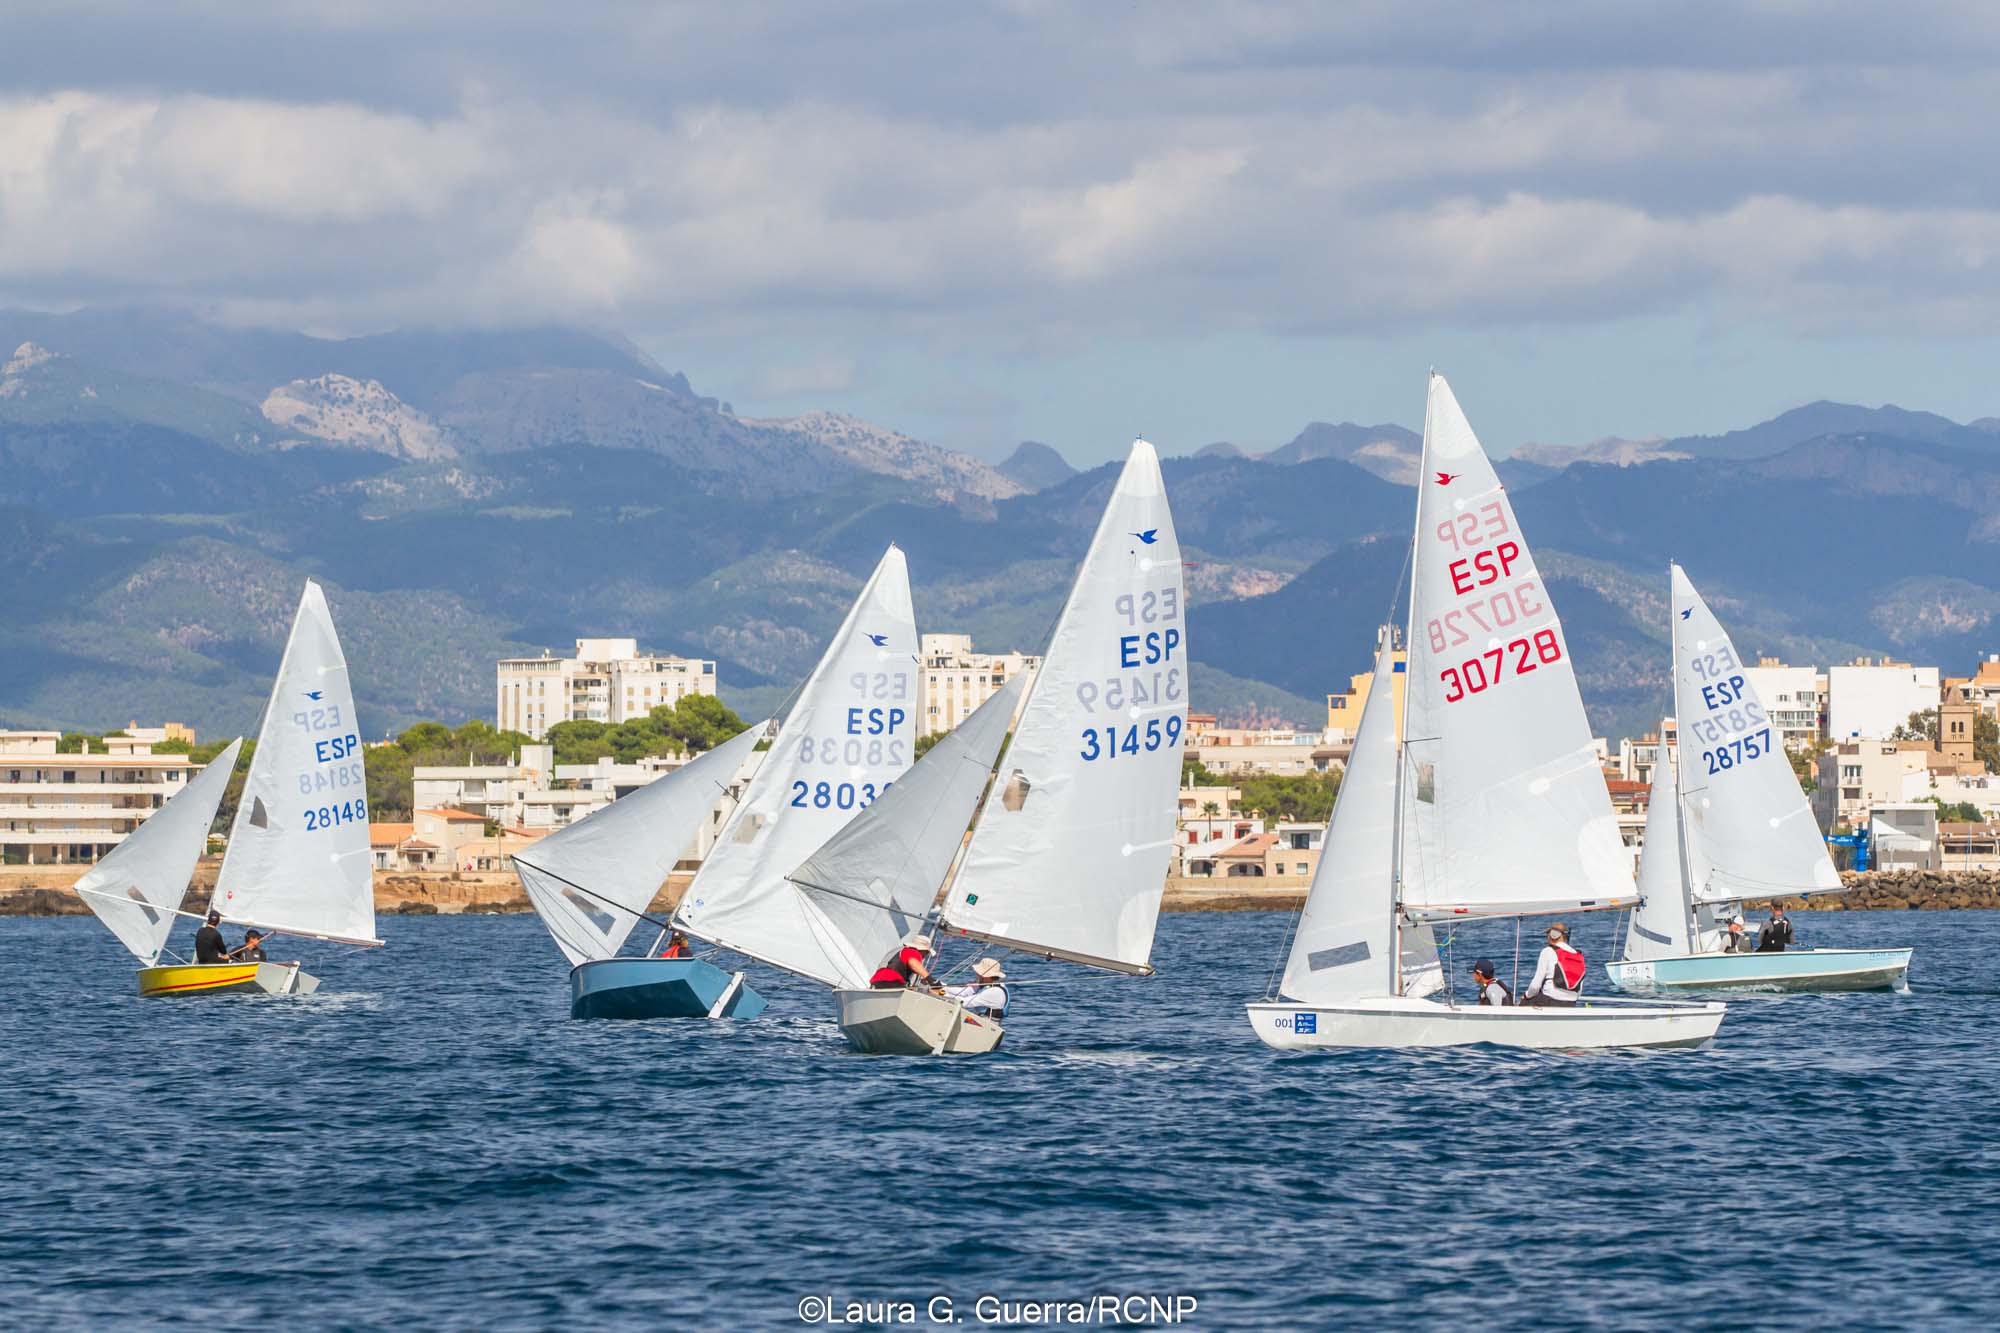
column 1069, row 855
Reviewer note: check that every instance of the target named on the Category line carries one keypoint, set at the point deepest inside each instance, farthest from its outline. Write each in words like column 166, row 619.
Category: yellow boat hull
column 226, row 978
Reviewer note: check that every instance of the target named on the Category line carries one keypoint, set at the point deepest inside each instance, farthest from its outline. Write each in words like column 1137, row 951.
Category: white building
column 66, row 809
column 957, row 680
column 1793, row 698
column 1868, row 700
column 1856, row 776
column 608, row 680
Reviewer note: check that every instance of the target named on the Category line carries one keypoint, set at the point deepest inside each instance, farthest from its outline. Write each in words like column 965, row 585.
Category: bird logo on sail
column 879, row 640
column 1685, row 614
column 314, row 695
column 1149, row 536
column 1447, row 478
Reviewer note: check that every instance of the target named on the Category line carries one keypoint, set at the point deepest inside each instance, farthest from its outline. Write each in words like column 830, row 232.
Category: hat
column 989, row 969
column 1483, row 968
column 1736, row 920
column 214, row 917
column 253, row 934
column 919, row 942
column 1558, row 926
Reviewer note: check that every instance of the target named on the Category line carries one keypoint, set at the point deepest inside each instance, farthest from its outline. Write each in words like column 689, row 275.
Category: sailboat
column 1068, row 857
column 1496, row 805
column 849, row 737
column 298, row 860
column 1732, row 824
column 592, row 882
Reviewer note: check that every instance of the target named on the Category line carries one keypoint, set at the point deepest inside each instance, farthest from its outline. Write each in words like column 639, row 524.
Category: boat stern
column 901, row 1021
column 637, row 988
column 226, row 979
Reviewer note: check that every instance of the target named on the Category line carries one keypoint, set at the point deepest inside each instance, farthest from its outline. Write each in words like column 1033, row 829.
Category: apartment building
column 1856, row 776
column 1794, row 698
column 1868, row 700
column 957, row 679
column 69, row 809
column 606, row 680
column 1343, row 711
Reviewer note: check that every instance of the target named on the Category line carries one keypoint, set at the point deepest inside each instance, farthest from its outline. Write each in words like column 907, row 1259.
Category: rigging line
column 643, row 916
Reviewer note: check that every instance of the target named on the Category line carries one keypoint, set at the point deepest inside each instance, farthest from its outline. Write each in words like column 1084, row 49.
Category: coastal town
column 1901, row 763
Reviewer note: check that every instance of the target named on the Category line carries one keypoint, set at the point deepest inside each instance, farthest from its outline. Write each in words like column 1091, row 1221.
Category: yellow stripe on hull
column 216, row 979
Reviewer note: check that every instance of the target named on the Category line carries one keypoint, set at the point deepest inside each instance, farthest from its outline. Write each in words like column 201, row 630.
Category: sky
column 981, row 223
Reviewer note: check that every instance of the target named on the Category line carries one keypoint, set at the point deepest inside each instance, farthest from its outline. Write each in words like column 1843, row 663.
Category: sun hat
column 989, row 969
column 919, row 942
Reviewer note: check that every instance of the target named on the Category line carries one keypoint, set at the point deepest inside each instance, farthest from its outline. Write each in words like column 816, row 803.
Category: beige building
column 608, row 680
column 1969, row 846
column 1982, row 687
column 1856, row 776
column 957, row 680
column 1343, row 711
column 68, row 809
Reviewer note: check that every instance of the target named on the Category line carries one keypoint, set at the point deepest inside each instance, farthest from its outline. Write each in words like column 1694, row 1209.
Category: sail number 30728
column 1518, row 657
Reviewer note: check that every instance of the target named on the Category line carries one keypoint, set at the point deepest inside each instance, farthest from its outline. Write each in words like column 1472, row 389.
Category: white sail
column 1745, row 810
column 136, row 889
column 849, row 736
column 1505, row 801
column 1660, row 923
column 298, row 859
column 876, row 879
column 1069, row 856
column 1347, row 938
column 590, row 882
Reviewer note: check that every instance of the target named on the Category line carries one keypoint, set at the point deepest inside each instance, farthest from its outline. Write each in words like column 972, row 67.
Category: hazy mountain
column 353, row 414
column 1391, row 452
column 945, row 473
column 39, row 386
column 1035, row 467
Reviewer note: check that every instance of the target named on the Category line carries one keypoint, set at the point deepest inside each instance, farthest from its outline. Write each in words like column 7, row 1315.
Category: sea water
column 430, row 1142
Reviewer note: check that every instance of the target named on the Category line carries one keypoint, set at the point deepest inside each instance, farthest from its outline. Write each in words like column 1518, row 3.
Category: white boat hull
column 1789, row 970
column 1399, row 1022
column 902, row 1021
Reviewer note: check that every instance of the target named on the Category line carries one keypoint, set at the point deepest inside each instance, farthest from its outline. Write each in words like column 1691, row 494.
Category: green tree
column 1307, row 796
column 424, row 736
column 1958, row 812
column 926, row 741
column 1194, row 773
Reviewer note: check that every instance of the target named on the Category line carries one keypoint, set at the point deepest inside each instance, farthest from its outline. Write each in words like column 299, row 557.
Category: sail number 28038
column 1516, row 658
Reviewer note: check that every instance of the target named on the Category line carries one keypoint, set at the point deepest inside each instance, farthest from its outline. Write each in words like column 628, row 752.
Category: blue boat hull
column 660, row 988
column 1792, row 970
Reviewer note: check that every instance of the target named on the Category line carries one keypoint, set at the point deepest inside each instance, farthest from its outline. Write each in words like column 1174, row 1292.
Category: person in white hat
column 984, row 995
column 908, row 967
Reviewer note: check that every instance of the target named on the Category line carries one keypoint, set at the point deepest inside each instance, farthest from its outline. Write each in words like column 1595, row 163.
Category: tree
column 1211, row 810
column 1805, row 765
column 925, row 742
column 1958, row 812
column 1194, row 773
column 1306, row 797
column 1923, row 726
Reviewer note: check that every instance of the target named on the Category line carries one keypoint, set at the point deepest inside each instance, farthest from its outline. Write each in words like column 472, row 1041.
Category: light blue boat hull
column 660, row 988
column 1792, row 970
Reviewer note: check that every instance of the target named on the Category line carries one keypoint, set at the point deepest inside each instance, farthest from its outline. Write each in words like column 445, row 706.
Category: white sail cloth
column 1069, row 856
column 1745, row 810
column 849, row 736
column 298, row 858
column 1346, row 943
column 875, row 880
column 136, row 889
column 1660, row 923
column 1507, row 808
column 590, row 882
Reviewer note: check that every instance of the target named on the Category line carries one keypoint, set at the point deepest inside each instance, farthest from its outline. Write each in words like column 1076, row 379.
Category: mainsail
column 298, row 859
column 876, row 879
column 1660, row 924
column 1746, row 814
column 1347, row 938
column 1069, row 856
column 136, row 889
column 1506, row 807
column 591, row 881
column 847, row 738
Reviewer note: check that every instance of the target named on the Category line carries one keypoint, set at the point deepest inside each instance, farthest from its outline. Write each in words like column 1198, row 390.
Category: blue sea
column 429, row 1142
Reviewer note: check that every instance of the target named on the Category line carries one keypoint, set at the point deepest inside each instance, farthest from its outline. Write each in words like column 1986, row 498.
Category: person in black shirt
column 208, row 943
column 1776, row 935
column 253, row 947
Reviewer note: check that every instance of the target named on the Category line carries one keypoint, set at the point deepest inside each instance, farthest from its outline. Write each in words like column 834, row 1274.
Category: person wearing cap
column 907, row 967
column 1492, row 990
column 677, row 946
column 1734, row 940
column 209, row 946
column 1559, row 972
column 1775, row 936
column 984, row 995
column 252, row 949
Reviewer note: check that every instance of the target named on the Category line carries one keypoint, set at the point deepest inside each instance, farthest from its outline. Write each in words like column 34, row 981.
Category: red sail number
column 1478, row 674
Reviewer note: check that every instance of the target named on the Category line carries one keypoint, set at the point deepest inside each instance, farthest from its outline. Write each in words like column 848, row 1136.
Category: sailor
column 906, row 967
column 252, row 950
column 985, row 995
column 1492, row 990
column 1734, row 941
column 209, row 946
column 677, row 946
column 1559, row 972
column 1776, row 934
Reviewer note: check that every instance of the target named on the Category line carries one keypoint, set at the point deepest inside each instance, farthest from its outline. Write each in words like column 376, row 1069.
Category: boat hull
column 1399, row 1022
column 1791, row 970
column 902, row 1021
column 226, row 979
column 659, row 988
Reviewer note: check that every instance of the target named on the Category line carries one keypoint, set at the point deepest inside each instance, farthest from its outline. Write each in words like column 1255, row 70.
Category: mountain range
column 166, row 482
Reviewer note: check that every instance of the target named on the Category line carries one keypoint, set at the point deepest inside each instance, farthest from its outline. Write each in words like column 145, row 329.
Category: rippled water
column 429, row 1141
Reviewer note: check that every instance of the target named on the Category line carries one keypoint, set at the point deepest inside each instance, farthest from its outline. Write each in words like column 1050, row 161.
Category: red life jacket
column 1570, row 967
column 675, row 951
column 898, row 970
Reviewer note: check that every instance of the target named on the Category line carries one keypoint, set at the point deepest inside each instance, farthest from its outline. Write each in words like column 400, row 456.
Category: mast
column 1680, row 798
column 1402, row 714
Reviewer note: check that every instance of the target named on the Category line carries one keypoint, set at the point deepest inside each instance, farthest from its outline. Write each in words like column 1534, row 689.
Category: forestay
column 1347, row 936
column 876, row 879
column 1744, row 807
column 1660, row 923
column 136, row 889
column 298, row 858
column 848, row 737
column 591, row 882
column 1069, row 856
column 1505, row 801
